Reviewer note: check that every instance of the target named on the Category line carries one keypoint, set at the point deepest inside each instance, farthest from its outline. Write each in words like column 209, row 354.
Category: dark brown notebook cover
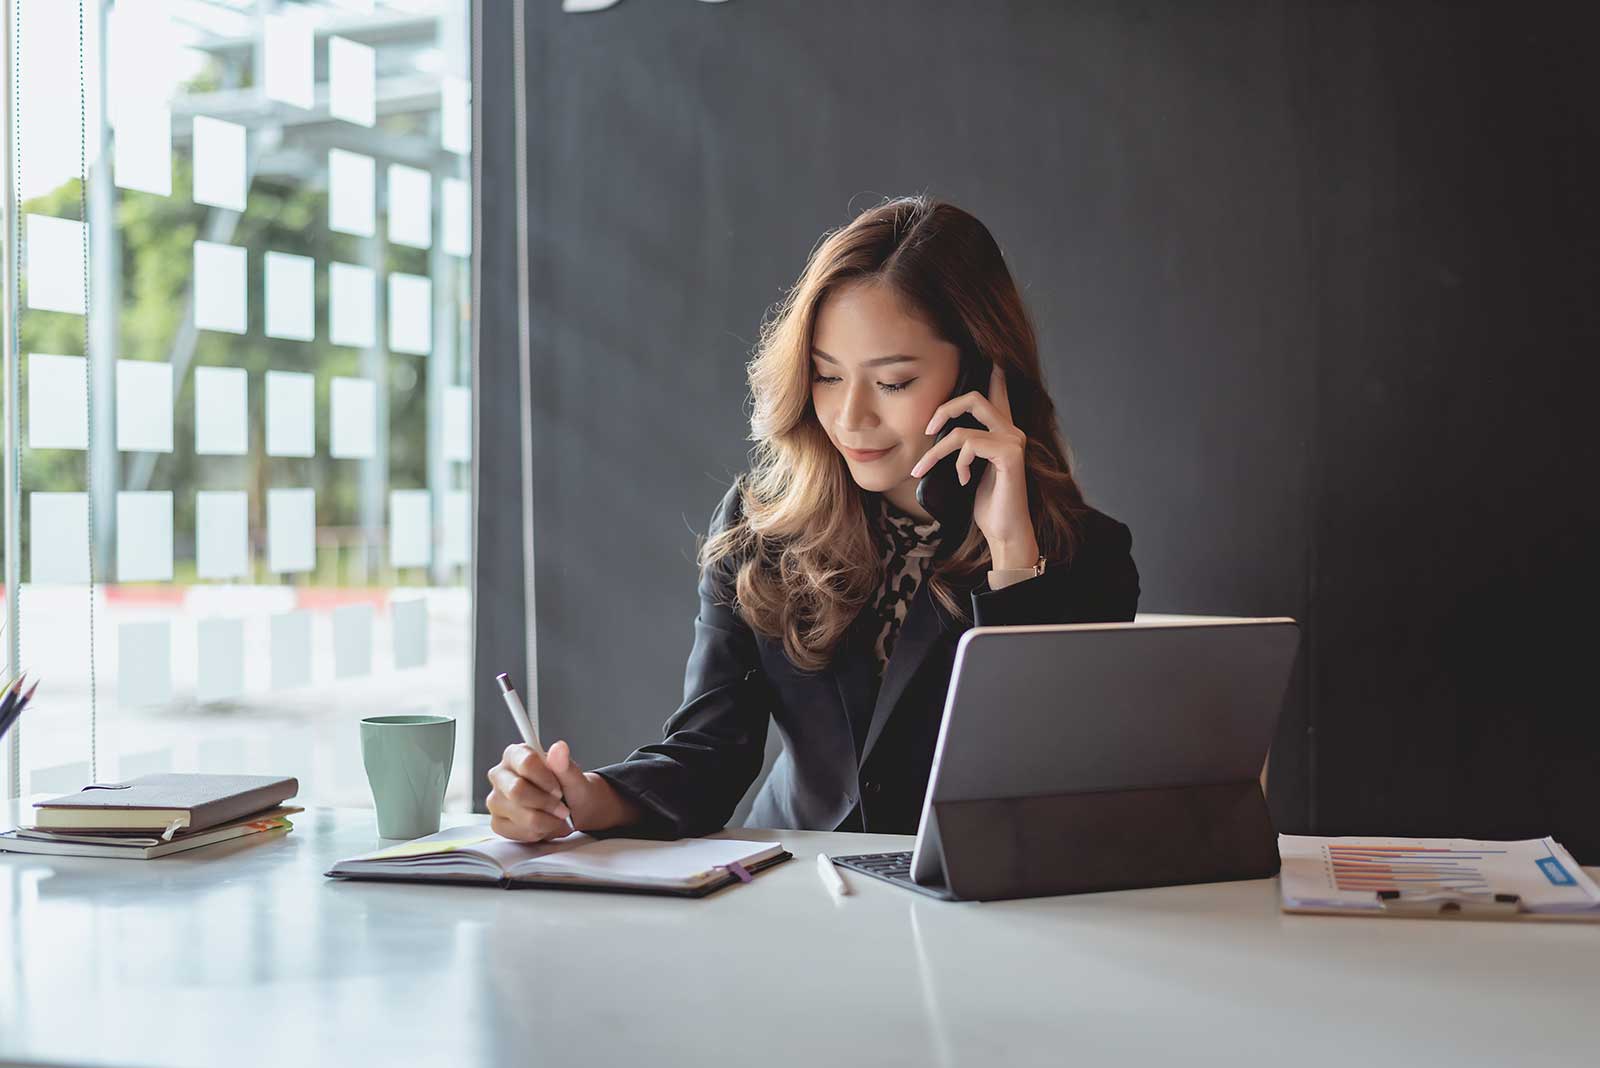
column 208, row 799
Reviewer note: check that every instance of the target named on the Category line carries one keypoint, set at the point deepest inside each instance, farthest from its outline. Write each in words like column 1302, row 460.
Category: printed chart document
column 1347, row 874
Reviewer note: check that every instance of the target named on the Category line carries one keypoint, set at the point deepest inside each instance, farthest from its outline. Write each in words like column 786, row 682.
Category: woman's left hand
column 1001, row 506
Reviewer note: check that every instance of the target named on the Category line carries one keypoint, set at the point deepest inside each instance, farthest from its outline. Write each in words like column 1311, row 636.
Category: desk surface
column 244, row 954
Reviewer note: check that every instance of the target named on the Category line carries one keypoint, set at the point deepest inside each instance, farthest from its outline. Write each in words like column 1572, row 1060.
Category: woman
column 830, row 600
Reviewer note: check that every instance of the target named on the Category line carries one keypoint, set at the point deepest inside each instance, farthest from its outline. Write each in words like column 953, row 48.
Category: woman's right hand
column 528, row 795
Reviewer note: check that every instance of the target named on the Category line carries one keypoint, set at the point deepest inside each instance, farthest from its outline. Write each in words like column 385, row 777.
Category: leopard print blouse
column 908, row 546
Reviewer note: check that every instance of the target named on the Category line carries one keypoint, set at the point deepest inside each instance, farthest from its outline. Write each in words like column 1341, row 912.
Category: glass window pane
column 261, row 457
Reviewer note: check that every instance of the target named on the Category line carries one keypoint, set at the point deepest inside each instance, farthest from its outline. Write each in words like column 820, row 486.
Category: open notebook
column 689, row 867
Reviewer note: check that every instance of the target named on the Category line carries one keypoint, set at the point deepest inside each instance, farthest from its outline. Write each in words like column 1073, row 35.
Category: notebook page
column 454, row 851
column 508, row 854
column 683, row 863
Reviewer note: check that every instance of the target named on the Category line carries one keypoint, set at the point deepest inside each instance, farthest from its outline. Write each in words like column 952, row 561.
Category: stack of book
column 154, row 815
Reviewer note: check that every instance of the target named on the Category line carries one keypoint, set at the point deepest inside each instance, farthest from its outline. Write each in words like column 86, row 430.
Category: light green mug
column 408, row 765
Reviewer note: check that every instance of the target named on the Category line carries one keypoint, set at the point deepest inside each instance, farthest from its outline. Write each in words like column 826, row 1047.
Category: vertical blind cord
column 14, row 596
column 83, row 213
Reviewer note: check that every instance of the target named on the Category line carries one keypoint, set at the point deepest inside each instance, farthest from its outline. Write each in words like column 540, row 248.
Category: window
column 245, row 403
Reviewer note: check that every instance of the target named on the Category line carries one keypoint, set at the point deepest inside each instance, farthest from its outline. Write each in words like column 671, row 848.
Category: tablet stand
column 1111, row 840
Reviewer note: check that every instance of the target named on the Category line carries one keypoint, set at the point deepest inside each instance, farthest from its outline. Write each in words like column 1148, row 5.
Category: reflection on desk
column 244, row 954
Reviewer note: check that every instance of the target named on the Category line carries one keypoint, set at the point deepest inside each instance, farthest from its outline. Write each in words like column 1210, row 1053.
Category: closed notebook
column 270, row 824
column 689, row 867
column 156, row 802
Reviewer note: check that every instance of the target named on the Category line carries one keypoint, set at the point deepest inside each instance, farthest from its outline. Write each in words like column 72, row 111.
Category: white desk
column 244, row 954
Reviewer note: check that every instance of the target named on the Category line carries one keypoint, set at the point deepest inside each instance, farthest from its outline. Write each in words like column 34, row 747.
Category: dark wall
column 1450, row 159
column 1306, row 280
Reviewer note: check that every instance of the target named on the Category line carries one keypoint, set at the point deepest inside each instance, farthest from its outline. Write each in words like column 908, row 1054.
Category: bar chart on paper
column 1350, row 873
column 1408, row 869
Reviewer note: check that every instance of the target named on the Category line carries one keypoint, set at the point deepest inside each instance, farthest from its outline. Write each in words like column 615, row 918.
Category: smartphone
column 940, row 491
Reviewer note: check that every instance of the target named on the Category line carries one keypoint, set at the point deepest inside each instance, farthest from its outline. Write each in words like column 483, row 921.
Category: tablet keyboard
column 896, row 867
column 891, row 868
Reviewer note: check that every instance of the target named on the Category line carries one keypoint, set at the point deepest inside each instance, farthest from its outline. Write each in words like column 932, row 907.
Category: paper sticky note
column 289, row 645
column 58, row 538
column 219, row 659
column 46, row 98
column 457, row 423
column 291, row 296
column 352, row 640
column 222, row 756
column 352, row 81
column 455, row 115
column 291, row 403
column 58, row 402
column 59, row 778
column 410, row 206
column 352, row 184
column 410, row 314
column 353, row 418
column 219, row 287
column 456, row 545
column 144, row 536
column 287, row 753
column 141, row 39
column 222, row 534
column 410, row 620
column 221, row 411
column 410, row 528
column 150, row 762
column 55, row 264
column 455, row 209
column 220, row 179
column 291, row 530
column 288, row 44
column 144, row 406
column 352, row 305
column 430, row 846
column 142, row 156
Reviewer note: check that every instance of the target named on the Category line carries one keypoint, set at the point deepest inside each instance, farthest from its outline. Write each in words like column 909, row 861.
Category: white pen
column 519, row 715
column 830, row 877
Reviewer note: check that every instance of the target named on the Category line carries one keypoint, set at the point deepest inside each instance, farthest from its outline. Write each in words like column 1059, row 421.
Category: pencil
column 11, row 706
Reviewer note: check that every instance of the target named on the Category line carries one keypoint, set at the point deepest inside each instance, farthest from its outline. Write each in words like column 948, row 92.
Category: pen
column 830, row 877
column 519, row 715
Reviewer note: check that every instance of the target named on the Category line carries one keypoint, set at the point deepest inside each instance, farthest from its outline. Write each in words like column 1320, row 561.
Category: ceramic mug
column 408, row 762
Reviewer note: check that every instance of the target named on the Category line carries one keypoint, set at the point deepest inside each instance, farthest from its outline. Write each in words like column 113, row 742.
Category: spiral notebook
column 688, row 867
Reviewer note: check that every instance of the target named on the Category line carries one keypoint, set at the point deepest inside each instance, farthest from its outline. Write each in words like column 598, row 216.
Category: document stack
column 155, row 815
column 1435, row 878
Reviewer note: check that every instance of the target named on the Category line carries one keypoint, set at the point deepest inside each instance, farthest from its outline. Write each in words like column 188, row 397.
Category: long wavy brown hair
column 801, row 553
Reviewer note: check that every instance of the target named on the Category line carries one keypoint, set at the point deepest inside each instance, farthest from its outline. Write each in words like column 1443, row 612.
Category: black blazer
column 851, row 756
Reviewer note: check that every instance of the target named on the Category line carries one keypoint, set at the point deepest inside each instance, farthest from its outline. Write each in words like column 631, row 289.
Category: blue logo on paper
column 1555, row 872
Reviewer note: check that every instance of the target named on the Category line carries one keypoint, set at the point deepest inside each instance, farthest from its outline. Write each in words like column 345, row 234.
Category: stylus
column 831, row 877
